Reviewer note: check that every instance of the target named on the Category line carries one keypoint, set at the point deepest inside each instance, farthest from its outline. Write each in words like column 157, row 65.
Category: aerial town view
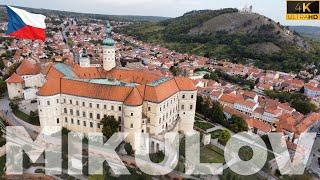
column 146, row 89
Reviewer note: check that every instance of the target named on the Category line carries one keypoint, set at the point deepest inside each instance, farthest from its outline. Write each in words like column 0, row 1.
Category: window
column 65, row 110
column 90, row 105
column 72, row 122
column 66, row 120
column 71, row 112
column 119, row 119
column 83, row 104
column 183, row 96
column 57, row 100
column 78, row 113
column 58, row 121
column 91, row 116
column 48, row 103
column 77, row 103
column 84, row 123
column 84, row 114
column 148, row 120
column 70, row 101
column 98, row 116
column 131, row 126
column 105, row 106
column 98, row 106
column 91, row 124
column 160, row 109
column 78, row 122
column 182, row 107
column 98, row 125
column 119, row 108
column 192, row 96
column 149, row 108
column 160, row 121
column 191, row 107
column 64, row 100
column 131, row 114
column 112, row 108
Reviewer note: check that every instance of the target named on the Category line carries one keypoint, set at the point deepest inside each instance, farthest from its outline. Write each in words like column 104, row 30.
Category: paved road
column 6, row 113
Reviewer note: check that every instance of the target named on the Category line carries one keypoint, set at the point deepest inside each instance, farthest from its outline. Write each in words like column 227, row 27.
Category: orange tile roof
column 15, row 78
column 185, row 84
column 311, row 87
column 249, row 94
column 230, row 98
column 245, row 103
column 133, row 96
column 95, row 91
column 259, row 125
column 233, row 111
column 297, row 124
column 51, row 87
column 28, row 68
column 161, row 92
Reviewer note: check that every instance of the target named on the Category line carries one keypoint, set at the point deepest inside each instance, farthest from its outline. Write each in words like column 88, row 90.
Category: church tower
column 109, row 54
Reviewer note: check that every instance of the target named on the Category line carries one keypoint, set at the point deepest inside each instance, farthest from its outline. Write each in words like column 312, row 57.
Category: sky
column 274, row 9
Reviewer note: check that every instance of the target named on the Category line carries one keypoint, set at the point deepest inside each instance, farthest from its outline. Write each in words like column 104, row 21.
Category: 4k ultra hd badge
column 303, row 10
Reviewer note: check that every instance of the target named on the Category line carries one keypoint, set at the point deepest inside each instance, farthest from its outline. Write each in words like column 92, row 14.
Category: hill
column 311, row 32
column 227, row 33
column 48, row 12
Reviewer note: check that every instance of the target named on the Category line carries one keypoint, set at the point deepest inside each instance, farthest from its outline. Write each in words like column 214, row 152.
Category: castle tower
column 84, row 60
column 109, row 56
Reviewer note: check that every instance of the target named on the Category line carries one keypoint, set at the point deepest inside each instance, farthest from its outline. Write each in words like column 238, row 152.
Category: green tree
column 238, row 124
column 175, row 70
column 217, row 115
column 110, row 126
column 3, row 87
column 157, row 157
column 11, row 70
column 34, row 117
column 128, row 149
column 199, row 104
column 224, row 137
column 1, row 64
column 14, row 106
column 304, row 107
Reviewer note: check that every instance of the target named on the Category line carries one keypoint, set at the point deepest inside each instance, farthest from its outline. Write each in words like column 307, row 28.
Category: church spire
column 108, row 40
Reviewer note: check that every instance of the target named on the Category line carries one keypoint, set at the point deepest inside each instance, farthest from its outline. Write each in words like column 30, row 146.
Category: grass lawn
column 25, row 117
column 227, row 174
column 211, row 154
column 203, row 125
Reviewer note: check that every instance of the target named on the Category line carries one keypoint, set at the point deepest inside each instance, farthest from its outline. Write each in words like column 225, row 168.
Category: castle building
column 25, row 82
column 78, row 98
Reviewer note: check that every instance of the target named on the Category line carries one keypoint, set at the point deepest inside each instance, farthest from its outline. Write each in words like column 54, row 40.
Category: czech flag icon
column 25, row 25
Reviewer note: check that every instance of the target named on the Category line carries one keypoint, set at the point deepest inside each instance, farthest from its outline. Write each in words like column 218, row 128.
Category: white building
column 78, row 98
column 28, row 75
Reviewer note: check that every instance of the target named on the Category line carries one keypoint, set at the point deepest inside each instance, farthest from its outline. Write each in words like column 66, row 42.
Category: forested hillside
column 227, row 33
column 48, row 12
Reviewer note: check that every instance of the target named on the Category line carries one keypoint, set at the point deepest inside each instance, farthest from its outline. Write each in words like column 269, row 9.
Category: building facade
column 78, row 99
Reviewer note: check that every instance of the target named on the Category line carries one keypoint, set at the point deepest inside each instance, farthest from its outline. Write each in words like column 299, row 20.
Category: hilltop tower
column 109, row 56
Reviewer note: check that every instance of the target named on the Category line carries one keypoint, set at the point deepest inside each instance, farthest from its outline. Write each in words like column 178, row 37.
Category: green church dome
column 109, row 42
